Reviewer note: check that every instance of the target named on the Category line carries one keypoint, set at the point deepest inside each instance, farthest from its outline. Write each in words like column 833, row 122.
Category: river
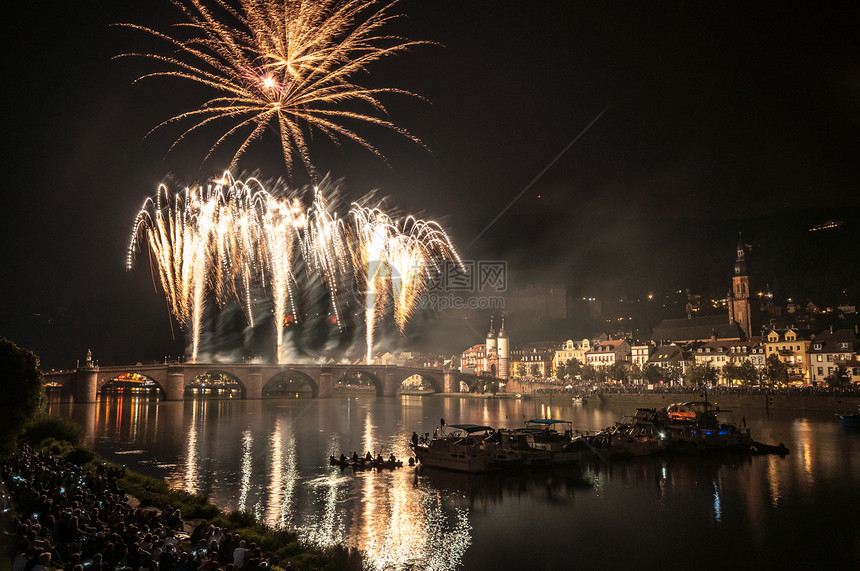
column 270, row 457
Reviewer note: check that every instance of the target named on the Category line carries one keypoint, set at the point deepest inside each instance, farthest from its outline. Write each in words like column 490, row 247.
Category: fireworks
column 231, row 238
column 288, row 65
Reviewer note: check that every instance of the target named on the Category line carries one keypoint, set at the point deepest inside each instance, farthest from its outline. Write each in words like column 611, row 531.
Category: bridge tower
column 491, row 354
column 504, row 351
column 86, row 380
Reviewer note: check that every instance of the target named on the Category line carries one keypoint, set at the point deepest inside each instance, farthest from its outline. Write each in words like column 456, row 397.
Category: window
column 818, row 358
column 820, row 370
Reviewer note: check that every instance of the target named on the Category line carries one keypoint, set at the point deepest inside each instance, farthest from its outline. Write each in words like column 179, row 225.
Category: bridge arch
column 132, row 382
column 419, row 381
column 346, row 380
column 215, row 383
column 374, row 379
column 290, row 382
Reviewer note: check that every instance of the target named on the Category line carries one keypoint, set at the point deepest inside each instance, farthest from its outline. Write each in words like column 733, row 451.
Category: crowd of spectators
column 806, row 390
column 70, row 519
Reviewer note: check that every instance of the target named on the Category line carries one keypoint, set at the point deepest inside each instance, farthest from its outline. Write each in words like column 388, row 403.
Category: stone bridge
column 85, row 383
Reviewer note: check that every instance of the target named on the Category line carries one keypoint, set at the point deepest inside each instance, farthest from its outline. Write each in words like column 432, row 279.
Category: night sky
column 716, row 118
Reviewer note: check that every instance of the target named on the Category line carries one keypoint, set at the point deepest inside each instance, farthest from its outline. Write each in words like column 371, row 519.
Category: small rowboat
column 362, row 464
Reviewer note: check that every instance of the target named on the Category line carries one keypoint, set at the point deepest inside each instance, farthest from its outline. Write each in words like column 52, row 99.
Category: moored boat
column 461, row 447
column 626, row 440
column 559, row 444
column 850, row 420
column 696, row 424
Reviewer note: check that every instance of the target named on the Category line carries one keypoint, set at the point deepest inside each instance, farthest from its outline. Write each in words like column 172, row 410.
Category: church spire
column 740, row 263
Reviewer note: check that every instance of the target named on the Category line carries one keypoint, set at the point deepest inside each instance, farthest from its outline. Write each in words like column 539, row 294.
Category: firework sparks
column 231, row 236
column 288, row 65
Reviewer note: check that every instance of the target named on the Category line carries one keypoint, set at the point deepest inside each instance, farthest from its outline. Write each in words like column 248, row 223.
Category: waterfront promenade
column 812, row 398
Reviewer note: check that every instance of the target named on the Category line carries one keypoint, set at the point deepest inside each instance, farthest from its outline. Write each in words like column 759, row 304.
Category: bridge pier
column 325, row 384
column 254, row 384
column 174, row 387
column 389, row 384
column 86, row 383
column 451, row 381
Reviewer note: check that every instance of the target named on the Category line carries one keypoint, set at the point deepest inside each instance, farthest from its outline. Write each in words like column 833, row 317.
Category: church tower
column 739, row 299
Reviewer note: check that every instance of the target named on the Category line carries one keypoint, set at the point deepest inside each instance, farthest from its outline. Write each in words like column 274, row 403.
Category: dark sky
column 719, row 118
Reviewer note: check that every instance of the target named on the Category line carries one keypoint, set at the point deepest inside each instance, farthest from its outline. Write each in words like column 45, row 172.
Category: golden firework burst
column 285, row 65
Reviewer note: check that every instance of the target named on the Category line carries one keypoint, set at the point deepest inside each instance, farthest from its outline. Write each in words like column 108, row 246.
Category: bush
column 81, row 456
column 57, row 427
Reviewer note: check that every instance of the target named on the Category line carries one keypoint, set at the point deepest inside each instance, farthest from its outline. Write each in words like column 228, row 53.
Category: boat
column 517, row 448
column 580, row 399
column 560, row 445
column 759, row 448
column 627, row 440
column 850, row 420
column 460, row 447
column 363, row 464
column 695, row 424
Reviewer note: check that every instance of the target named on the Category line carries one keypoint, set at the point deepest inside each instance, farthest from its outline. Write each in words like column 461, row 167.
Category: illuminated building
column 831, row 349
column 609, row 352
column 791, row 347
column 572, row 350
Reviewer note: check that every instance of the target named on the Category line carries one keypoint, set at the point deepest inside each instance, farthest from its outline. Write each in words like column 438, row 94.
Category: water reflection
column 271, row 458
column 245, row 477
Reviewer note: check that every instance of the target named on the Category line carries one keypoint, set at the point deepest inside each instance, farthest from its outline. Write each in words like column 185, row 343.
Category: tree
column 652, row 373
column 839, row 378
column 673, row 373
column 617, row 372
column 731, row 373
column 747, row 373
column 574, row 367
column 561, row 370
column 535, row 369
column 702, row 374
column 775, row 370
column 589, row 373
column 23, row 392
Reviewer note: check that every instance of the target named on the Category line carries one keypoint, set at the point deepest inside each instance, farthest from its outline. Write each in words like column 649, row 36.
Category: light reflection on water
column 271, row 458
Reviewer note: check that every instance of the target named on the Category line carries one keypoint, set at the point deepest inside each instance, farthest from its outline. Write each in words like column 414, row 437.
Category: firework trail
column 288, row 65
column 233, row 236
column 281, row 222
column 373, row 232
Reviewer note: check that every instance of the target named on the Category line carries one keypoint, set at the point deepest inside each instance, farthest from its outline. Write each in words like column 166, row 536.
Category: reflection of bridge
column 84, row 383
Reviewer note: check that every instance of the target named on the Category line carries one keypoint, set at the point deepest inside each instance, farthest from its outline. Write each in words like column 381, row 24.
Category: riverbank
column 771, row 401
column 764, row 401
column 68, row 514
